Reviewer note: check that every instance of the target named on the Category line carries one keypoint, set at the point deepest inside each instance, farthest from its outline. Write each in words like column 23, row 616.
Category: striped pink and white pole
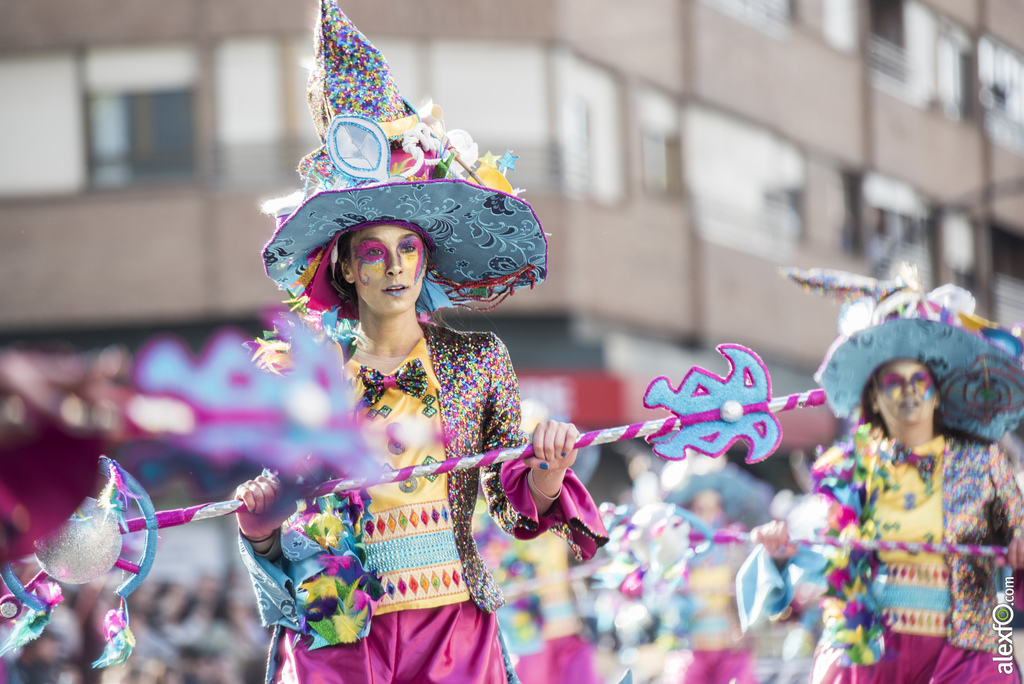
column 726, row 537
column 616, row 434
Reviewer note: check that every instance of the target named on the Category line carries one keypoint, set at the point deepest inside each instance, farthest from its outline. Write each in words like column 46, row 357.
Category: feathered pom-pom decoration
column 842, row 286
column 120, row 640
column 30, row 625
column 271, row 354
column 116, row 496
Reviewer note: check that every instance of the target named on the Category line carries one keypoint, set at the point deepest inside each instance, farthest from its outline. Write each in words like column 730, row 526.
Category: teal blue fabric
column 915, row 598
column 982, row 386
column 476, row 235
column 762, row 590
column 510, row 671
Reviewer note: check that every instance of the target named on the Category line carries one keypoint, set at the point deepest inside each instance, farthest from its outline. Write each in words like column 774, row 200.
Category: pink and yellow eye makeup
column 896, row 386
column 410, row 252
column 371, row 257
column 374, row 259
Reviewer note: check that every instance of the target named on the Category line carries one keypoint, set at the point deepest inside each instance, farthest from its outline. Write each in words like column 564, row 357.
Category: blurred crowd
column 201, row 631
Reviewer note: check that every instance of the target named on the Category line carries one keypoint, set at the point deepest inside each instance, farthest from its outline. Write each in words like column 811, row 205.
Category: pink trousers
column 455, row 644
column 566, row 659
column 709, row 667
column 915, row 660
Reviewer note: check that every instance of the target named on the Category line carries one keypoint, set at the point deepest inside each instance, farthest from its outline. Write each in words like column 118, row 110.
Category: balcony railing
column 884, row 260
column 771, row 233
column 890, row 68
column 1008, row 299
column 1004, row 130
column 768, row 16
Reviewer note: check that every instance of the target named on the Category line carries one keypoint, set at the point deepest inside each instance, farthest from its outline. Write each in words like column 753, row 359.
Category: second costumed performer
column 934, row 387
column 388, row 585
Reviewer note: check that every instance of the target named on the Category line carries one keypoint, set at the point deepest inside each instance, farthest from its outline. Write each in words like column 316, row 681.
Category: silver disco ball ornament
column 84, row 548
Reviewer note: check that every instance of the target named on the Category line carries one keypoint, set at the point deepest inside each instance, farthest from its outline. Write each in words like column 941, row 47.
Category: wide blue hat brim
column 745, row 498
column 982, row 387
column 479, row 236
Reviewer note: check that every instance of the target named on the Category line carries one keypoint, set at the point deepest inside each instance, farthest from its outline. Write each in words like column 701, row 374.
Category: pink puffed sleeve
column 573, row 516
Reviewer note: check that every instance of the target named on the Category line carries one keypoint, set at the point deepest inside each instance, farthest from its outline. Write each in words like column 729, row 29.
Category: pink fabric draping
column 912, row 659
column 709, row 667
column 573, row 508
column 565, row 659
column 456, row 644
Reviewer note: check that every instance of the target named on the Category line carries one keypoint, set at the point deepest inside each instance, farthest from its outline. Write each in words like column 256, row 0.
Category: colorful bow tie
column 925, row 462
column 410, row 378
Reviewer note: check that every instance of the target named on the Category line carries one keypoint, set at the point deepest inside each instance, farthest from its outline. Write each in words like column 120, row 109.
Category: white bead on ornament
column 84, row 548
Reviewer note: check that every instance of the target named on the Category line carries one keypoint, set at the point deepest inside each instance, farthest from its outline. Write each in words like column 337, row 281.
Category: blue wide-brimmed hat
column 977, row 365
column 384, row 162
column 484, row 243
column 745, row 498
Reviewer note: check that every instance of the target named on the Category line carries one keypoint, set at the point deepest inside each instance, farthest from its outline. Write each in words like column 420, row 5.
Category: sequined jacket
column 479, row 410
column 981, row 504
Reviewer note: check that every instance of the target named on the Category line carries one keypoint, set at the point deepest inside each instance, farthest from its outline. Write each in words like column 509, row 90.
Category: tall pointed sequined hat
column 978, row 365
column 384, row 162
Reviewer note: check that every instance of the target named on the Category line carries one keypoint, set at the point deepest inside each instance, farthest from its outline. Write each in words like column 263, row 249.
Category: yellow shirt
column 915, row 597
column 409, row 538
column 908, row 511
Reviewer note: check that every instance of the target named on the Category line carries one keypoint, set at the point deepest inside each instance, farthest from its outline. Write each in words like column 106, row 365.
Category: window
column 895, row 228
column 42, row 146
column 746, row 184
column 259, row 109
column 576, row 146
column 889, row 65
column 954, row 72
column 769, row 16
column 839, row 24
column 958, row 247
column 1008, row 254
column 140, row 115
column 1008, row 280
column 140, row 137
column 661, row 143
column 903, row 50
column 591, row 135
column 887, row 21
column 522, row 123
column 852, row 232
column 1001, row 76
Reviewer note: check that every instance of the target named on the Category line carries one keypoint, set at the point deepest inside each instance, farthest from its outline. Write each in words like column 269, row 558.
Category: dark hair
column 345, row 289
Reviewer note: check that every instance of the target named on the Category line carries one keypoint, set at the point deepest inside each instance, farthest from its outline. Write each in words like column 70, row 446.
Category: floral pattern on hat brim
column 982, row 386
column 486, row 243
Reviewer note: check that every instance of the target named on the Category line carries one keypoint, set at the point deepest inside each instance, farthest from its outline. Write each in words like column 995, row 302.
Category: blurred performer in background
column 936, row 386
column 542, row 627
column 725, row 497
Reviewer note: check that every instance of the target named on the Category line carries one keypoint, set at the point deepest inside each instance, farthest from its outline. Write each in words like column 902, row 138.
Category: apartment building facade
column 678, row 152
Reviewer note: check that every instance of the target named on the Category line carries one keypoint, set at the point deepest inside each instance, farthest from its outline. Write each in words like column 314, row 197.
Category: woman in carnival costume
column 388, row 585
column 936, row 386
column 723, row 496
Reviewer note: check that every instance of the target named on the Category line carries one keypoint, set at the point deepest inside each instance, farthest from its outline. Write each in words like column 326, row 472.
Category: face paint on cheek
column 925, row 385
column 410, row 251
column 370, row 257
